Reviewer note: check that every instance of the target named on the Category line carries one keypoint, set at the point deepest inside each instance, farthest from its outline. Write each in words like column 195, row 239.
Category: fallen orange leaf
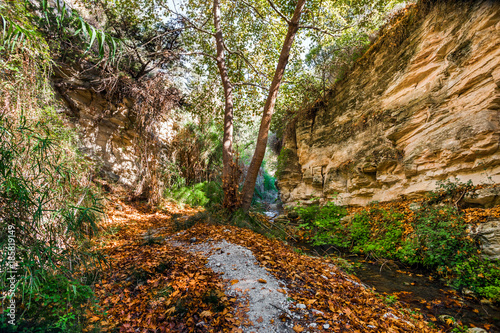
column 298, row 328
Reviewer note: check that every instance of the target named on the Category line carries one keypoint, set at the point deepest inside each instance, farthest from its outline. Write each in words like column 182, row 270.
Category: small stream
column 421, row 291
column 417, row 289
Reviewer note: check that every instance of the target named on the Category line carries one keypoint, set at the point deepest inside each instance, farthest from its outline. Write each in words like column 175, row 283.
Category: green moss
column 283, row 160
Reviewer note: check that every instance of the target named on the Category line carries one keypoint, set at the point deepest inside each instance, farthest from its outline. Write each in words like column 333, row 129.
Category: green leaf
column 93, row 34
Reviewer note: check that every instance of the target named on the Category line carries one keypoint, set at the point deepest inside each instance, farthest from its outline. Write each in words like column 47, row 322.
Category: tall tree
column 247, row 37
column 260, row 149
column 228, row 183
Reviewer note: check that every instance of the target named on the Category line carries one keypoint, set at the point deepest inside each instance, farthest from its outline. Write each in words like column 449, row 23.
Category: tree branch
column 325, row 31
column 278, row 12
column 242, row 56
column 251, row 6
column 199, row 53
column 191, row 24
column 251, row 84
column 162, row 35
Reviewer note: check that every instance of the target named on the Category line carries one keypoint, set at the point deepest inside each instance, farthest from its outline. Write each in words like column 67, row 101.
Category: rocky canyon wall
column 421, row 105
column 109, row 128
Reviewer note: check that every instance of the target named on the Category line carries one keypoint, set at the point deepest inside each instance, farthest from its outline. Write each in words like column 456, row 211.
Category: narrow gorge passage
column 213, row 278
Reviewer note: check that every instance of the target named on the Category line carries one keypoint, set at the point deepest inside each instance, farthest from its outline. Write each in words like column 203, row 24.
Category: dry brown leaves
column 346, row 305
column 153, row 287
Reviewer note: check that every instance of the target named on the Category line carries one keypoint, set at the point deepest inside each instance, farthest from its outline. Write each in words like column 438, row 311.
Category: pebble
column 301, row 306
column 317, row 312
column 476, row 330
column 390, row 315
column 326, row 326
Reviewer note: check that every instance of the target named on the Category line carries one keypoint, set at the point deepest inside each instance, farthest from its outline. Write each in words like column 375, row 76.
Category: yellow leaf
column 298, row 328
column 206, row 314
column 233, row 282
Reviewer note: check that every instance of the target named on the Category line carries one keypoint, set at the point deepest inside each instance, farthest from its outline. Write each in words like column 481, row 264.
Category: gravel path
column 261, row 302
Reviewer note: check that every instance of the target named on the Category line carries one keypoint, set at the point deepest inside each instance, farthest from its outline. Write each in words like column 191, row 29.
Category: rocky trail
column 219, row 278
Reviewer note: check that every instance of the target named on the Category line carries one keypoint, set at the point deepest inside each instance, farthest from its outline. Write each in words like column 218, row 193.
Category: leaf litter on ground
column 157, row 281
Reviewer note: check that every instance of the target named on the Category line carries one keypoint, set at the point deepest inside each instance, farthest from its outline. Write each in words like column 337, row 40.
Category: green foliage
column 382, row 239
column 205, row 194
column 283, row 160
column 196, row 153
column 50, row 216
column 269, row 181
column 13, row 34
column 324, row 223
column 451, row 192
column 265, row 189
column 254, row 35
column 344, row 264
column 47, row 203
column 55, row 306
column 391, row 299
column 66, row 24
column 435, row 238
column 479, row 275
column 439, row 239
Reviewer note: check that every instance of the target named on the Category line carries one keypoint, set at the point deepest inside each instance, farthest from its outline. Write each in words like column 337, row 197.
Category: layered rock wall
column 407, row 115
column 108, row 128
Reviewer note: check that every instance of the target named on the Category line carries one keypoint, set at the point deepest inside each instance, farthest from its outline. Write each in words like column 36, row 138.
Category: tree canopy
column 254, row 43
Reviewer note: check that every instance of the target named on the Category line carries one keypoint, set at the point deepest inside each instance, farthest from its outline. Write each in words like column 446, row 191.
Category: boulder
column 489, row 237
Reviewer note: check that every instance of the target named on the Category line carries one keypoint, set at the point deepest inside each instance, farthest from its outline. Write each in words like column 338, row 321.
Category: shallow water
column 421, row 291
column 418, row 290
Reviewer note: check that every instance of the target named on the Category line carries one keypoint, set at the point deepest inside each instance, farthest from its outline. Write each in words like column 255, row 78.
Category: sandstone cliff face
column 406, row 116
column 108, row 129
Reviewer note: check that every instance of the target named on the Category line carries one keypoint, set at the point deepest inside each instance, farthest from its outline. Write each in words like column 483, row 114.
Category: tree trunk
column 260, row 149
column 230, row 189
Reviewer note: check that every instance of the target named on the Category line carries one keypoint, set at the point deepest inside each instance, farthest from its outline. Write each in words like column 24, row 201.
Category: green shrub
column 48, row 207
column 383, row 238
column 450, row 192
column 56, row 305
column 324, row 223
column 50, row 215
column 440, row 238
column 435, row 238
column 480, row 275
column 206, row 194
